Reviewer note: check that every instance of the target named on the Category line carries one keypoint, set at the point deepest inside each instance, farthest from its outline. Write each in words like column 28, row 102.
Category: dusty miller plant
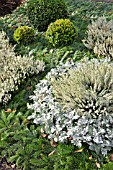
column 14, row 69
column 100, row 37
column 76, row 102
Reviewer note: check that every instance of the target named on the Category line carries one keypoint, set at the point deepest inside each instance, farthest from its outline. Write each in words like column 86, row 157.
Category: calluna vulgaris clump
column 14, row 69
column 100, row 37
column 76, row 102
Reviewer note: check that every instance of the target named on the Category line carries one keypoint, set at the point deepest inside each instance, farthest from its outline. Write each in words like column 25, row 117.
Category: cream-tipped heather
column 100, row 37
column 14, row 69
column 89, row 89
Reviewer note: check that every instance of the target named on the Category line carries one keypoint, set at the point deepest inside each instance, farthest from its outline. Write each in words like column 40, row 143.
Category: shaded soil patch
column 4, row 165
column 7, row 6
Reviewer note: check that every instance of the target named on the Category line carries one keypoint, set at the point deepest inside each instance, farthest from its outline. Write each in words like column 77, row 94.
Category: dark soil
column 4, row 165
column 7, row 6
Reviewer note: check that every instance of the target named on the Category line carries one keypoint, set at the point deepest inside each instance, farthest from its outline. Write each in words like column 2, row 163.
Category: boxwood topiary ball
column 42, row 12
column 23, row 34
column 61, row 32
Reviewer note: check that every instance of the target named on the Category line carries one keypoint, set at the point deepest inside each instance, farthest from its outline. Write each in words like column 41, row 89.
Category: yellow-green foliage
column 100, row 37
column 14, row 69
column 23, row 34
column 88, row 88
column 61, row 32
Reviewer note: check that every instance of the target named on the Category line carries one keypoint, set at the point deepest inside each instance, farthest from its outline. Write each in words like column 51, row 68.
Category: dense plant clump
column 100, row 37
column 85, row 90
column 14, row 69
column 21, row 142
column 23, row 34
column 42, row 13
column 61, row 32
column 88, row 88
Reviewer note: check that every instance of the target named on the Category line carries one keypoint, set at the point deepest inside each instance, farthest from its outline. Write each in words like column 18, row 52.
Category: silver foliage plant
column 84, row 116
column 14, row 69
column 100, row 37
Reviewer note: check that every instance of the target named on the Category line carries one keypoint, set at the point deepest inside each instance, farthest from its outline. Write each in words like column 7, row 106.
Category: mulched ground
column 4, row 165
column 7, row 6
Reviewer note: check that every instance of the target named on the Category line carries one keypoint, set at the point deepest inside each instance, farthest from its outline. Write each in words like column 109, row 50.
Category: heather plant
column 23, row 34
column 42, row 13
column 61, row 32
column 89, row 89
column 76, row 102
column 100, row 37
column 14, row 69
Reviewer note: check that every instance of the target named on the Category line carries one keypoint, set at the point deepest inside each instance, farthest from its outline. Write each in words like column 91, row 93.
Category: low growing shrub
column 76, row 101
column 42, row 13
column 61, row 32
column 100, row 37
column 23, row 34
column 14, row 69
column 21, row 143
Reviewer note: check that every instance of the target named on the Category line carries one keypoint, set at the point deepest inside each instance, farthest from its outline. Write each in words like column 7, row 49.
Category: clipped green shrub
column 100, row 37
column 14, row 69
column 23, row 34
column 42, row 12
column 61, row 32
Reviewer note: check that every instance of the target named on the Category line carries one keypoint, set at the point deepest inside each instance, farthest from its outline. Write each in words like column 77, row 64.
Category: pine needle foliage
column 21, row 143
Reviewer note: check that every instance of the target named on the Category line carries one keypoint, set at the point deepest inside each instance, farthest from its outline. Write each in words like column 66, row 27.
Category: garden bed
column 44, row 124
